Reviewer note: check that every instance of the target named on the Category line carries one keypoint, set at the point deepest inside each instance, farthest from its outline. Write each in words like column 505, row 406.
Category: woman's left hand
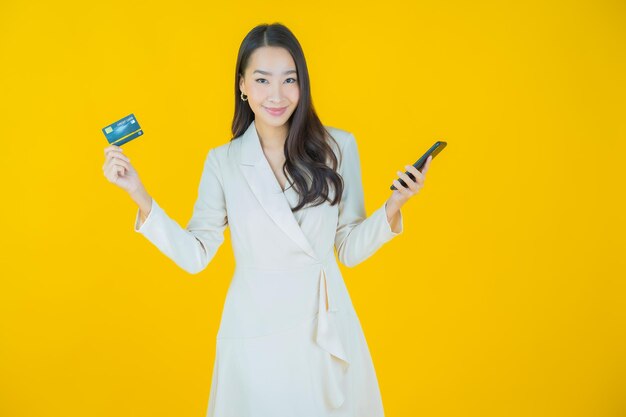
column 402, row 194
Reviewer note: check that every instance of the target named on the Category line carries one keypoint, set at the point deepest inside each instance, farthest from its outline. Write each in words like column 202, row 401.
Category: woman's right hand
column 118, row 170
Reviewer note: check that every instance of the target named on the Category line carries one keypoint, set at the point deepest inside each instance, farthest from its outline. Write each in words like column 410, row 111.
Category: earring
column 242, row 96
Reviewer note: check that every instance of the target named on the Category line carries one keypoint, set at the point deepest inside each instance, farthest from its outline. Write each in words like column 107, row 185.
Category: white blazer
column 289, row 341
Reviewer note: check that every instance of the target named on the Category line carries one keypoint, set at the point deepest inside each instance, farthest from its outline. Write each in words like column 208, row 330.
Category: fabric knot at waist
column 328, row 338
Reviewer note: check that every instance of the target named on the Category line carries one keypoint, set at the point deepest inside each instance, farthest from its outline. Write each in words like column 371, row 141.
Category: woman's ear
column 241, row 84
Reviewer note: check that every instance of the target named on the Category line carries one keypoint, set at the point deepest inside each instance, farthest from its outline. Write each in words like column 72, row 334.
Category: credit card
column 122, row 131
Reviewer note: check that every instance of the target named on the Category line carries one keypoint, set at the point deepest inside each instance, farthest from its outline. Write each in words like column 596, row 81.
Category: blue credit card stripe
column 124, row 137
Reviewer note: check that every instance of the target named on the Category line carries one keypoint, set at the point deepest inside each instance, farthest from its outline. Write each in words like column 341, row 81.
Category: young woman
column 290, row 342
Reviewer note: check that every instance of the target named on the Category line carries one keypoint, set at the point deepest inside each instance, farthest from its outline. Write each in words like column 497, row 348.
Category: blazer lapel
column 263, row 183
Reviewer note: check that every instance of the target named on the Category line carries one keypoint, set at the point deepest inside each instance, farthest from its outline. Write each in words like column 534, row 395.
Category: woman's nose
column 276, row 95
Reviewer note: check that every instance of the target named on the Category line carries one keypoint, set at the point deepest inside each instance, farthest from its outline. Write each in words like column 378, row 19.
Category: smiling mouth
column 276, row 111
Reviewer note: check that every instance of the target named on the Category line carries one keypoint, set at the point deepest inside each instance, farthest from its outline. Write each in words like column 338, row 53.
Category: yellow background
column 503, row 297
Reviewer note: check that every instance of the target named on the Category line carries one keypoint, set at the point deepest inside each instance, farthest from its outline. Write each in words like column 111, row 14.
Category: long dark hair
column 309, row 158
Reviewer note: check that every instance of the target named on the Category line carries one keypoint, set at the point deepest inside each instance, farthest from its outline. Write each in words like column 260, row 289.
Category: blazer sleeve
column 358, row 236
column 193, row 247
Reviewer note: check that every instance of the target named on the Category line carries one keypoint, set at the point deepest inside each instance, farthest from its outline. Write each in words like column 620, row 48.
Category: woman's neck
column 272, row 137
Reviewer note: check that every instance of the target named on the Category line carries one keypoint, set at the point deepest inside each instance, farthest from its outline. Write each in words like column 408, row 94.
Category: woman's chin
column 276, row 121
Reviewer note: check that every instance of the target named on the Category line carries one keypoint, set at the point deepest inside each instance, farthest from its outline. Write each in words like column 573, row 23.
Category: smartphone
column 419, row 164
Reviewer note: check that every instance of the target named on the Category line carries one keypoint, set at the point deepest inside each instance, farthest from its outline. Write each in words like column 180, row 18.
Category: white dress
column 290, row 343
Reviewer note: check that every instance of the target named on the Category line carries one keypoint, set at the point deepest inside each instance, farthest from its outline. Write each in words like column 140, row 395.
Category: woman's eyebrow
column 269, row 73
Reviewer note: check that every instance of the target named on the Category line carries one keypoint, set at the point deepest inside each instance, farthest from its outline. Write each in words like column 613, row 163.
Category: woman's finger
column 110, row 173
column 115, row 167
column 114, row 172
column 401, row 188
column 115, row 154
column 414, row 185
column 427, row 165
column 407, row 180
column 113, row 150
column 109, row 160
column 119, row 162
column 419, row 177
column 119, row 155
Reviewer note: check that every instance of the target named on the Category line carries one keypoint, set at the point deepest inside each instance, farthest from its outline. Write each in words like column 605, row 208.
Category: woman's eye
column 263, row 79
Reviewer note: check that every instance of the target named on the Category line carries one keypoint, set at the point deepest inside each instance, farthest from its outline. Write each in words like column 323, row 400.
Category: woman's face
column 271, row 82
